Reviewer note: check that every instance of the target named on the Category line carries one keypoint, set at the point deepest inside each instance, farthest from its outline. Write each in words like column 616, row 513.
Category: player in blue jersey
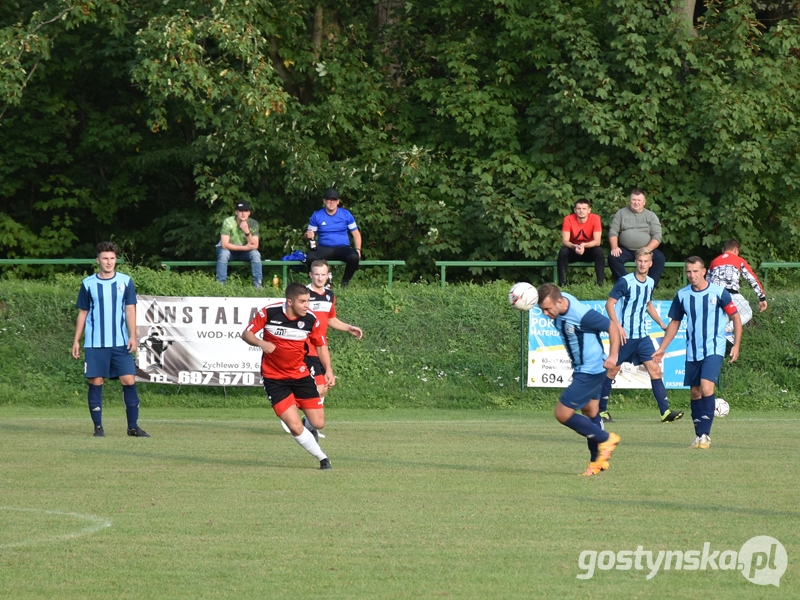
column 580, row 328
column 331, row 226
column 705, row 306
column 628, row 303
column 107, row 315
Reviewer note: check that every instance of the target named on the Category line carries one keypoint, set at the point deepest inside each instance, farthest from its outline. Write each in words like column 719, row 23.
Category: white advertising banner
column 550, row 366
column 197, row 341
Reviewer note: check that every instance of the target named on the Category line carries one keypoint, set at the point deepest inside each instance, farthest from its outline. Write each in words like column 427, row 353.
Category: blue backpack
column 296, row 255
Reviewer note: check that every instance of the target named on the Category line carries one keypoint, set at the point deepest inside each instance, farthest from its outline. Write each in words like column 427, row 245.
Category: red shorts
column 283, row 393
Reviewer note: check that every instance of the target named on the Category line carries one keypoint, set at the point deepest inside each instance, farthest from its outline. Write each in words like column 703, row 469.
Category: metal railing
column 443, row 264
column 286, row 264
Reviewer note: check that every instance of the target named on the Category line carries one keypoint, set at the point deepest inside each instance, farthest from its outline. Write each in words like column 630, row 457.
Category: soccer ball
column 523, row 296
column 721, row 408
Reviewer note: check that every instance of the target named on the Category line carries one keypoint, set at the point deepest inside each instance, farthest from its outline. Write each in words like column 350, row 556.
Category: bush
column 423, row 346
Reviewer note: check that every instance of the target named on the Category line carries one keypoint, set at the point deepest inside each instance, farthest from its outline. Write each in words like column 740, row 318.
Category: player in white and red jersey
column 725, row 271
column 287, row 330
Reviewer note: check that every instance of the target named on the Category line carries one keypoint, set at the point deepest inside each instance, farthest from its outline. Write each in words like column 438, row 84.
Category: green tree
column 452, row 129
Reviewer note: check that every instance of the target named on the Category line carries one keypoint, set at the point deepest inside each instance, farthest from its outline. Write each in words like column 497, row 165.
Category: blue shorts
column 584, row 387
column 108, row 363
column 636, row 352
column 707, row 368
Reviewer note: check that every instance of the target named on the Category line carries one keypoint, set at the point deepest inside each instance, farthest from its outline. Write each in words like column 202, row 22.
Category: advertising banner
column 550, row 366
column 197, row 341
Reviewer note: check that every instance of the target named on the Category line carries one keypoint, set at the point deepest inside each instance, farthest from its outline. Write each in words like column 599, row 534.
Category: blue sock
column 592, row 442
column 586, row 427
column 697, row 412
column 707, row 417
column 660, row 393
column 131, row 398
column 605, row 392
column 96, row 404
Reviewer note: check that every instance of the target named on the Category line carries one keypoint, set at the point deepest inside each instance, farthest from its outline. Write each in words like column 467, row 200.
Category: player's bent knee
column 654, row 370
column 562, row 413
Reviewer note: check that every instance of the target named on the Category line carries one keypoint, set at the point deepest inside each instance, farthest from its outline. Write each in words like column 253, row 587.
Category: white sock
column 309, row 444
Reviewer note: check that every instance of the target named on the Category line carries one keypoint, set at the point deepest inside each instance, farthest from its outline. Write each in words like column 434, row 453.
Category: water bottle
column 312, row 243
column 275, row 281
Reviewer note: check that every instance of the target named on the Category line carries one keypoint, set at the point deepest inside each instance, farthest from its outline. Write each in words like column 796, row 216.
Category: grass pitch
column 420, row 504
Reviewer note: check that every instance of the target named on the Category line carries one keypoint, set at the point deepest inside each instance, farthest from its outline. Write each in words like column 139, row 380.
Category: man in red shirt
column 580, row 241
column 286, row 328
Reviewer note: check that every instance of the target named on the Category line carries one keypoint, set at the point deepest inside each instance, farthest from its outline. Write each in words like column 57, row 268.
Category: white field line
column 97, row 523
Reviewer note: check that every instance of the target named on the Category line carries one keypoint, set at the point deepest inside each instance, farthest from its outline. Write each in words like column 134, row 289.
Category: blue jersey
column 632, row 298
column 580, row 328
column 331, row 230
column 705, row 319
column 105, row 300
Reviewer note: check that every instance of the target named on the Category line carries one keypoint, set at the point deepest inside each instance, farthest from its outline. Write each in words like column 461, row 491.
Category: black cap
column 331, row 194
column 242, row 206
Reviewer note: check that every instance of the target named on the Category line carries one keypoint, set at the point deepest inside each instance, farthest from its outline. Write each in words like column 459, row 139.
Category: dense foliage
column 453, row 129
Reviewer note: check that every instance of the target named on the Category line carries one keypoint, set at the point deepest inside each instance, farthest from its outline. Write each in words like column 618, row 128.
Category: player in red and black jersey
column 323, row 305
column 288, row 329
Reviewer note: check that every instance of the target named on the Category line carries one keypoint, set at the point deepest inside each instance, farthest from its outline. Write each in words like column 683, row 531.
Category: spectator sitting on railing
column 238, row 240
column 332, row 223
column 725, row 271
column 580, row 241
column 634, row 227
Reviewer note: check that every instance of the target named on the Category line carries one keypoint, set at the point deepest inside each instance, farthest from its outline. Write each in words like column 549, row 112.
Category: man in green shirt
column 238, row 240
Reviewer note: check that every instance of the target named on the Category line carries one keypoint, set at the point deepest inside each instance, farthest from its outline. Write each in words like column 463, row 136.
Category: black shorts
column 284, row 392
column 316, row 369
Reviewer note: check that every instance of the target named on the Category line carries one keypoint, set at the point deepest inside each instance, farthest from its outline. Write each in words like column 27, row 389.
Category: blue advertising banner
column 550, row 366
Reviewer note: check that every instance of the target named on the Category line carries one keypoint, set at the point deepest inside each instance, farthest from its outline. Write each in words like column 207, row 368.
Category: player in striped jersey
column 287, row 328
column 107, row 315
column 705, row 306
column 580, row 328
column 628, row 303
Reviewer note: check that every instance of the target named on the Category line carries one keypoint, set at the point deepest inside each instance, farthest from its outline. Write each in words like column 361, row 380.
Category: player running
column 323, row 305
column 629, row 300
column 287, row 328
column 580, row 328
column 704, row 305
